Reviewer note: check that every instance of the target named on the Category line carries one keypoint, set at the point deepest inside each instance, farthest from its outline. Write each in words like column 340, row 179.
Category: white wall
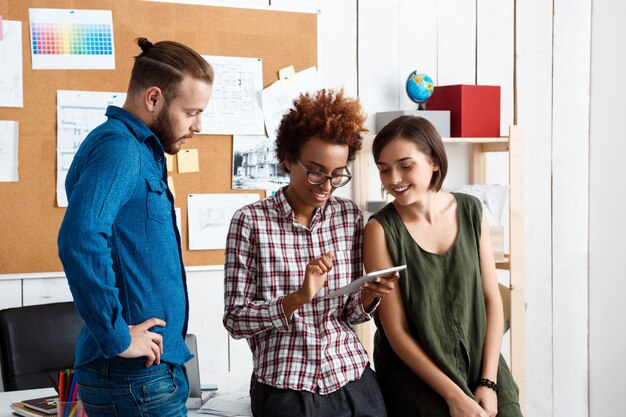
column 534, row 113
column 570, row 201
column 607, row 205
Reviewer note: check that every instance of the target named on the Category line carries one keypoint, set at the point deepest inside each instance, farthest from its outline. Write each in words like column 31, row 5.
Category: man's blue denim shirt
column 119, row 243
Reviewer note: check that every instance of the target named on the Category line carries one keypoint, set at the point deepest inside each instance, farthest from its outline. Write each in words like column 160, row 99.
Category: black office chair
column 35, row 340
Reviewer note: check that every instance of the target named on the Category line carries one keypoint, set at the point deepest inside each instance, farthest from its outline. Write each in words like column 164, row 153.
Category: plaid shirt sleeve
column 354, row 311
column 244, row 315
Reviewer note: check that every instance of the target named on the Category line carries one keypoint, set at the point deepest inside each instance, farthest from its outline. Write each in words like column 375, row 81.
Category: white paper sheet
column 11, row 89
column 72, row 39
column 78, row 113
column 235, row 105
column 255, row 166
column 232, row 404
column 209, row 217
column 278, row 98
column 178, row 219
column 493, row 197
column 8, row 151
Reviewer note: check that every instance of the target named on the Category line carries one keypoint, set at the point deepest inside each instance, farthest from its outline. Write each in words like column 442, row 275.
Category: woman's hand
column 487, row 399
column 464, row 406
column 378, row 288
column 315, row 275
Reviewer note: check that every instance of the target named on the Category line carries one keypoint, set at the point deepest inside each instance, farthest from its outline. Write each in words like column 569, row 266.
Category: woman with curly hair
column 283, row 254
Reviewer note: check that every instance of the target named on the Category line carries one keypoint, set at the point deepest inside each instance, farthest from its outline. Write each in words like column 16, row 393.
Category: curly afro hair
column 327, row 114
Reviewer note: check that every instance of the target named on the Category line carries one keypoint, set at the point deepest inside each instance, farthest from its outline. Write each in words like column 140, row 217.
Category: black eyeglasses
column 319, row 178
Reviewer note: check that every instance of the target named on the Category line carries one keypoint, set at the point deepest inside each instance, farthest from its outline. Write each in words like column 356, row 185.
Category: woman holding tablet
column 285, row 253
column 437, row 348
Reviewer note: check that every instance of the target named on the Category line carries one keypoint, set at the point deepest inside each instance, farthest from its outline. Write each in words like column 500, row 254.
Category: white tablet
column 356, row 284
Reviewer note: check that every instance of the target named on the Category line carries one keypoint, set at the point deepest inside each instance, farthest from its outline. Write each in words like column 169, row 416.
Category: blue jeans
column 126, row 388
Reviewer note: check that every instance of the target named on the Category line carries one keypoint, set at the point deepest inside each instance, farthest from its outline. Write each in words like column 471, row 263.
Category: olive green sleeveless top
column 445, row 309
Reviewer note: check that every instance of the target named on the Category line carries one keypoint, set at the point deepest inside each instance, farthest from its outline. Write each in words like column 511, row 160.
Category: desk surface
column 6, row 398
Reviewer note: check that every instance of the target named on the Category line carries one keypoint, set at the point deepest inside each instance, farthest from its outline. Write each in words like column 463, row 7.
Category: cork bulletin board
column 29, row 216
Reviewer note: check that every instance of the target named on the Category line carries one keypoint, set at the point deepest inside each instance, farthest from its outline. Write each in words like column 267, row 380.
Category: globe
column 419, row 88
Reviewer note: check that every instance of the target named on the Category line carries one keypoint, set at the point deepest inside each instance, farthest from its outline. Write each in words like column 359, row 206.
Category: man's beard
column 162, row 128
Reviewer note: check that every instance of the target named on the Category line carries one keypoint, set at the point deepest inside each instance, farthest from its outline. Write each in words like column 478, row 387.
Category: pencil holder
column 71, row 409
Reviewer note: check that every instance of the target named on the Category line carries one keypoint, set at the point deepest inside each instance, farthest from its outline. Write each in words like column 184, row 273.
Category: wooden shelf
column 504, row 264
column 485, row 144
column 503, row 139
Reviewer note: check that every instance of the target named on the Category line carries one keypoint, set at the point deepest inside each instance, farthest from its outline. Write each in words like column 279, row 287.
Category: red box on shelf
column 474, row 109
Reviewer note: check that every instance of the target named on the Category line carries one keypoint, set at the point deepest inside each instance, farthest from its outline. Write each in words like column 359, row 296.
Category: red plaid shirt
column 267, row 251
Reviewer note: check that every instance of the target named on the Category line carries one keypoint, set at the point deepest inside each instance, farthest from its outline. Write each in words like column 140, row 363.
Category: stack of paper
column 230, row 404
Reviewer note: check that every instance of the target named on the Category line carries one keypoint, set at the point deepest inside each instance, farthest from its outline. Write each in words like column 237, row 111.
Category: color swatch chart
column 71, row 39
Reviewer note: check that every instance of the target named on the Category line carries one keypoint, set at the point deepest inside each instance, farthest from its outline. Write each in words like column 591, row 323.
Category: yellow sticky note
column 170, row 184
column 188, row 161
column 287, row 76
column 170, row 162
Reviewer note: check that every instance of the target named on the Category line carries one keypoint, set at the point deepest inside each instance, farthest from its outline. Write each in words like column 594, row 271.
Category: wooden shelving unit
column 514, row 260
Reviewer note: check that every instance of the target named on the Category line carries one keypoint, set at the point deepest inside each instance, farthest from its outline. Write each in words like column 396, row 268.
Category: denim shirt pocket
column 158, row 205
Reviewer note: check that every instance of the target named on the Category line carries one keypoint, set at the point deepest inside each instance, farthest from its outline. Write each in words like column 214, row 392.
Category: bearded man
column 120, row 246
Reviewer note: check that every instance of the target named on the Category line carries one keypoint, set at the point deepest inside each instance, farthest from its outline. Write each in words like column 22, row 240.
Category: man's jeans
column 126, row 388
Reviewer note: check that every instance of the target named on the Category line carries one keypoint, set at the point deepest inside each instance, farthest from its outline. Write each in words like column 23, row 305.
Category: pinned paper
column 169, row 159
column 170, row 185
column 8, row 151
column 178, row 217
column 78, row 113
column 188, row 161
column 235, row 107
column 11, row 76
column 209, row 216
column 250, row 172
column 278, row 99
column 287, row 76
column 71, row 39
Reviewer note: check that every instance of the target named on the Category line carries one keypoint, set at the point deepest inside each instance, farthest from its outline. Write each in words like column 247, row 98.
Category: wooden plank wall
column 570, row 204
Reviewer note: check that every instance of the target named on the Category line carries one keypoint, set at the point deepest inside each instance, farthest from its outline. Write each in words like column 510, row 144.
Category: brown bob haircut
column 327, row 114
column 421, row 132
column 164, row 65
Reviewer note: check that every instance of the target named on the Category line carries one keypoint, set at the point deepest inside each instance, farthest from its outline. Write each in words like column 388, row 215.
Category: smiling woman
column 440, row 330
column 321, row 134
column 323, row 158
column 283, row 254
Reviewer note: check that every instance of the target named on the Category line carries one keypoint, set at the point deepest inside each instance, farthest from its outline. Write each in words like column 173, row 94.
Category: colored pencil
column 53, row 382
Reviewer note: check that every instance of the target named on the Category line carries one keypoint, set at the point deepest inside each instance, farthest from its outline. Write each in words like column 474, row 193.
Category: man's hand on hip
column 145, row 343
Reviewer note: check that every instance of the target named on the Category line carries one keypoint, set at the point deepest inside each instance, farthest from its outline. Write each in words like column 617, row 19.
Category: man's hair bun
column 144, row 44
